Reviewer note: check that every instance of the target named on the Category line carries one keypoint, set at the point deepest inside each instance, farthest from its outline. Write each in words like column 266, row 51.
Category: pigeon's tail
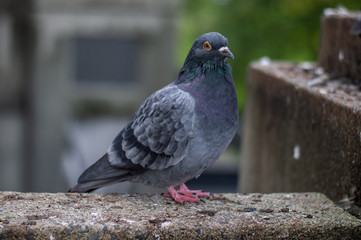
column 100, row 174
column 91, row 186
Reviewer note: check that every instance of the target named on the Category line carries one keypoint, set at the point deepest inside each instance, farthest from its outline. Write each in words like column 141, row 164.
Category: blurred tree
column 279, row 29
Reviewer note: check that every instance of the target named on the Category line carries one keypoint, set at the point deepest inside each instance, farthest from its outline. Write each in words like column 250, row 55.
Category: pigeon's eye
column 207, row 46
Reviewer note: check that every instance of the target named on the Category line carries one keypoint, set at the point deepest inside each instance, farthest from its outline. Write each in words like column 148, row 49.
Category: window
column 105, row 60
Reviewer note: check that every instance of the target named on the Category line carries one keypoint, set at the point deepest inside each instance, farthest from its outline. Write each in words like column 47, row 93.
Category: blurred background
column 72, row 73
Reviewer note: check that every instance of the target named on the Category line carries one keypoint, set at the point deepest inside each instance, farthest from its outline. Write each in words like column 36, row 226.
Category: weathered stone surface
column 123, row 216
column 302, row 132
column 340, row 50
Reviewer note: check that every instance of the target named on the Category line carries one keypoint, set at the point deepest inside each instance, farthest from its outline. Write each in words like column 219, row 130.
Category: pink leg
column 184, row 194
column 183, row 189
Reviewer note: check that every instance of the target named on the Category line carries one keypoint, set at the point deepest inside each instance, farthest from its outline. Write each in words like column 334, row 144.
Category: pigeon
column 179, row 131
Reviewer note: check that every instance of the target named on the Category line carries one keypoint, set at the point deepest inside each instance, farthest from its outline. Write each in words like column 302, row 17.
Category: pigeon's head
column 210, row 47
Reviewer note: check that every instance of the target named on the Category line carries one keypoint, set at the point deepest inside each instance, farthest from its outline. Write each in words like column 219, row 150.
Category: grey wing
column 159, row 134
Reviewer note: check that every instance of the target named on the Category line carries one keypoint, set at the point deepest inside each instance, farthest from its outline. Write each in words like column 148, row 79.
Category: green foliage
column 279, row 29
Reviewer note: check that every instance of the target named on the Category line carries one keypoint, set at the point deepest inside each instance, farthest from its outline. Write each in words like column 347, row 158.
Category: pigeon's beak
column 226, row 52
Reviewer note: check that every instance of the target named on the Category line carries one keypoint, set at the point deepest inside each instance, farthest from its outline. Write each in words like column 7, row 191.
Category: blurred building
column 64, row 67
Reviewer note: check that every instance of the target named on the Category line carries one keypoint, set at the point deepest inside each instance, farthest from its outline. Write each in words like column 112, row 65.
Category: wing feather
column 158, row 135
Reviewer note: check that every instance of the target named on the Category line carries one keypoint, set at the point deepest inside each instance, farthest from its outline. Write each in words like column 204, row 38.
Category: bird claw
column 166, row 195
column 183, row 194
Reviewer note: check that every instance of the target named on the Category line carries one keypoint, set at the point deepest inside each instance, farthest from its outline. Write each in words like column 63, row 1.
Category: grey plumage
column 179, row 130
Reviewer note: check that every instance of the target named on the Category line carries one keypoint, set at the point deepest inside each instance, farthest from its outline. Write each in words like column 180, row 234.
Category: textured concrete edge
column 339, row 49
column 284, row 79
column 279, row 70
column 141, row 216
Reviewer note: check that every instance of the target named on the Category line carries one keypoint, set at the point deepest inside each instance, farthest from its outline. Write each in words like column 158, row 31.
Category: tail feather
column 100, row 174
column 91, row 186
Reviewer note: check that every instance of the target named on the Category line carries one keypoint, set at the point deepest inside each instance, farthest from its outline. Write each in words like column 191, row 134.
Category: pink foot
column 185, row 195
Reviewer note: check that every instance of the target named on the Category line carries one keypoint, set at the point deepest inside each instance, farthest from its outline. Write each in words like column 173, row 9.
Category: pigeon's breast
column 217, row 107
column 216, row 116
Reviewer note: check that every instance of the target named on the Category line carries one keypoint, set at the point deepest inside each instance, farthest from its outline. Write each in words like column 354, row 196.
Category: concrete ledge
column 340, row 50
column 123, row 216
column 302, row 132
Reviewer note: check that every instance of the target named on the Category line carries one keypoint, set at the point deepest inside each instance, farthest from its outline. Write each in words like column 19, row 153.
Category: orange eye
column 207, row 46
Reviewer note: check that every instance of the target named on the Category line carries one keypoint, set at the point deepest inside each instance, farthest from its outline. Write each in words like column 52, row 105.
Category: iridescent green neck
column 190, row 72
